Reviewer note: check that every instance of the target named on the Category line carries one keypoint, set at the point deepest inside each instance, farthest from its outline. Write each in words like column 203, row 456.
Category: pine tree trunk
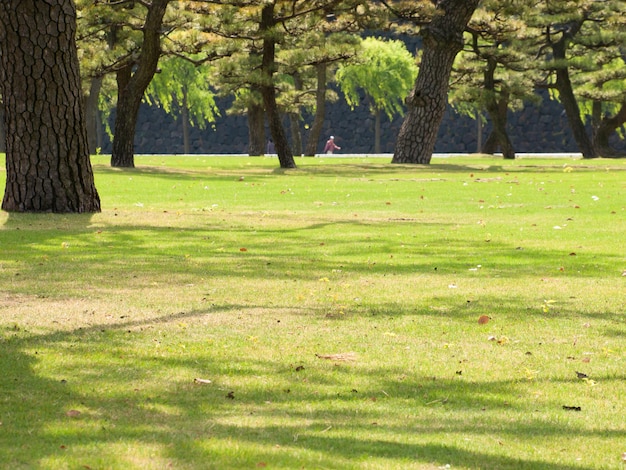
column 3, row 135
column 256, row 129
column 320, row 112
column 47, row 162
column 185, row 123
column 132, row 82
column 127, row 111
column 377, row 131
column 442, row 40
column 605, row 129
column 91, row 113
column 570, row 104
column 294, row 120
column 296, row 136
column 268, row 66
column 497, row 110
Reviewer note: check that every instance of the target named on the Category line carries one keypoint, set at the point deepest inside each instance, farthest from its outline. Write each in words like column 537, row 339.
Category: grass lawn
column 350, row 314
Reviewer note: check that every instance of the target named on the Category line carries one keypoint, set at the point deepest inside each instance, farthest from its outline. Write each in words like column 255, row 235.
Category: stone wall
column 539, row 128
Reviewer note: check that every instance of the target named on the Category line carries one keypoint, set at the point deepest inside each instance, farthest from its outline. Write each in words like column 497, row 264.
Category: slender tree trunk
column 132, row 81
column 294, row 120
column 91, row 113
column 568, row 99
column 320, row 111
column 442, row 40
column 377, row 131
column 256, row 129
column 479, row 133
column 123, row 151
column 296, row 136
column 47, row 162
column 268, row 66
column 185, row 123
column 605, row 128
column 497, row 106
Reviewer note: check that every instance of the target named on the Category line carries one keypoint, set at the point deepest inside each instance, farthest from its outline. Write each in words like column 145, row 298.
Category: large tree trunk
column 497, row 110
column 268, row 66
column 442, row 40
column 320, row 111
column 132, row 81
column 256, row 123
column 47, row 161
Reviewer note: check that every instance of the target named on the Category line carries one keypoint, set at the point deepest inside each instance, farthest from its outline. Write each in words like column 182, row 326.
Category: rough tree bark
column 442, row 40
column 268, row 66
column 132, row 81
column 2, row 133
column 47, row 161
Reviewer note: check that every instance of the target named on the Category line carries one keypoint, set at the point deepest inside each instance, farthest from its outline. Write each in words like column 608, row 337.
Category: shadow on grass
column 306, row 252
column 323, row 420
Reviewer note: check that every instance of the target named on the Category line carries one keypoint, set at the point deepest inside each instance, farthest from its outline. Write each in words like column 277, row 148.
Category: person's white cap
column 332, row 136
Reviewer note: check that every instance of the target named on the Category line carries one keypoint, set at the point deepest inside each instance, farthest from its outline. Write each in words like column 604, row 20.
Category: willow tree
column 183, row 90
column 385, row 71
column 442, row 39
column 47, row 161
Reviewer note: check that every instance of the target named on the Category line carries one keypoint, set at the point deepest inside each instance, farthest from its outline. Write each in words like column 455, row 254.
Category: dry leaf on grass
column 72, row 413
column 483, row 319
column 345, row 357
column 202, row 381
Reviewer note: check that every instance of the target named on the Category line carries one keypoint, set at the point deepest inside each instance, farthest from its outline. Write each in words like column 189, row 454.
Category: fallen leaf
column 581, row 375
column 483, row 319
column 624, row 457
column 72, row 413
column 243, row 249
column 230, row 395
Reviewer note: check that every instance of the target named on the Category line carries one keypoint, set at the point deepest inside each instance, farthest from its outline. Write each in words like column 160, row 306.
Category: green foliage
column 594, row 35
column 385, row 70
column 496, row 61
column 180, row 85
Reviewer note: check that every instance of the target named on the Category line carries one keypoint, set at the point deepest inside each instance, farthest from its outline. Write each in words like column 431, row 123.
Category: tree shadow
column 321, row 418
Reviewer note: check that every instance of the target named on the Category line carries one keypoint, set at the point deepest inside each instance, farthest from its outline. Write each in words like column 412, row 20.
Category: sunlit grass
column 334, row 310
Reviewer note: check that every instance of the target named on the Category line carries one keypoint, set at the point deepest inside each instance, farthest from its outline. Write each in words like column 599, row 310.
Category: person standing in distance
column 331, row 146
